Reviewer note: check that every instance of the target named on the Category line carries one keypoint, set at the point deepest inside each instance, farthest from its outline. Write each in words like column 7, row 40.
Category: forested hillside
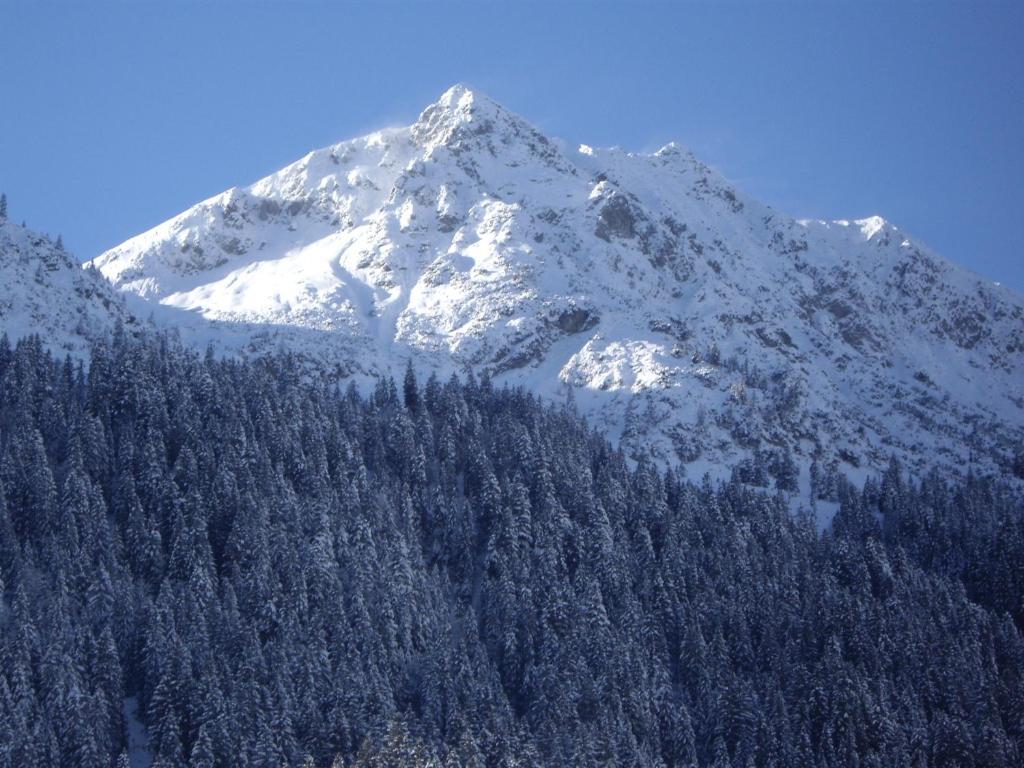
column 443, row 573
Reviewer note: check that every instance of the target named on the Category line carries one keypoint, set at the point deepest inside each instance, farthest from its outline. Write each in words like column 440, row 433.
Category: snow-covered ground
column 44, row 291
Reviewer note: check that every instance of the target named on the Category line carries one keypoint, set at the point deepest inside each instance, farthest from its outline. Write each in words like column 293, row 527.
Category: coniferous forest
column 264, row 570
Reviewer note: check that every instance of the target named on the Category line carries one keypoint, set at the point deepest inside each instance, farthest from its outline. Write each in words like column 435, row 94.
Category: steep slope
column 46, row 292
column 682, row 315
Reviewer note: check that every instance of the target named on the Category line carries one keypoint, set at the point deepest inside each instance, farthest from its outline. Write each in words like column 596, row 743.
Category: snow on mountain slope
column 44, row 291
column 683, row 316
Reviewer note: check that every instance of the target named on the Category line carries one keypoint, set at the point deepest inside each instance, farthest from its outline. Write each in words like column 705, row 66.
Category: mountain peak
column 461, row 113
column 688, row 319
column 460, row 92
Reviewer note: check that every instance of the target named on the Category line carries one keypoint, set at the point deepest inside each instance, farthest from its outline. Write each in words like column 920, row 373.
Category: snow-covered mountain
column 45, row 291
column 682, row 315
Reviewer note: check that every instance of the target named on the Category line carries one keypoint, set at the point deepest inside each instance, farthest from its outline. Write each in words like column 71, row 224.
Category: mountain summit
column 683, row 316
column 460, row 115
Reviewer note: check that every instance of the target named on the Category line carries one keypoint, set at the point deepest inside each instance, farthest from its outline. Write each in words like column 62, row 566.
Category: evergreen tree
column 284, row 574
column 411, row 389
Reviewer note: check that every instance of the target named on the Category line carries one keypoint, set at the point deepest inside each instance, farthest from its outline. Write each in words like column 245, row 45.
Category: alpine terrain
column 46, row 292
column 266, row 501
column 682, row 315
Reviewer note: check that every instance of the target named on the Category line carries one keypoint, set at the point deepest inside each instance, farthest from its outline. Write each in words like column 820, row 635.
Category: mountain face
column 681, row 315
column 46, row 292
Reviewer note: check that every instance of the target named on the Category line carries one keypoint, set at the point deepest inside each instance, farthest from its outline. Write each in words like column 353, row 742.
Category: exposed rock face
column 577, row 320
column 615, row 219
column 688, row 318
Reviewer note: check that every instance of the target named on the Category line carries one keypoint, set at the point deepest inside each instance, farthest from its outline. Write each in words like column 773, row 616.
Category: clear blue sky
column 114, row 117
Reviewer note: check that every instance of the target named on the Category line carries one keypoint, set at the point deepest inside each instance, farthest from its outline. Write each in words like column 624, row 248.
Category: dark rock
column 576, row 320
column 267, row 209
column 616, row 219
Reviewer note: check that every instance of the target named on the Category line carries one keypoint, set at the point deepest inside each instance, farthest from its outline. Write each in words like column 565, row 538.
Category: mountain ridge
column 683, row 316
column 47, row 293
